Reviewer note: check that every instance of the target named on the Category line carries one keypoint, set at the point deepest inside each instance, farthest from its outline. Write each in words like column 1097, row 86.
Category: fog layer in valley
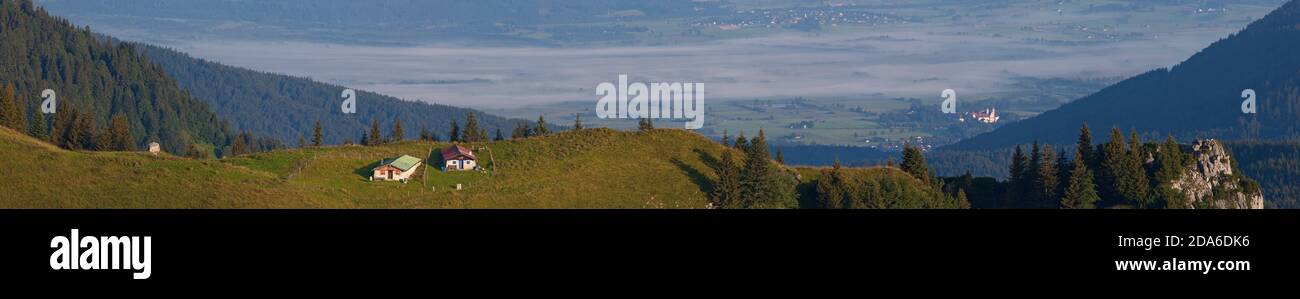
column 792, row 65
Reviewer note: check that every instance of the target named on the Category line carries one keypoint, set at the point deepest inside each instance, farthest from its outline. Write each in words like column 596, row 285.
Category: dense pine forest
column 1276, row 165
column 108, row 96
column 287, row 108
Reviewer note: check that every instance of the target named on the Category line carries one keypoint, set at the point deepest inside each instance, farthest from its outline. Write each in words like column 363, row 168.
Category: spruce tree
column 1017, row 181
column 424, row 133
column 376, row 137
column 542, row 129
column 1080, row 191
column 962, row 201
column 1134, row 185
column 58, row 128
column 742, row 144
column 780, row 157
column 302, row 142
column 1033, row 195
column 317, row 137
column 399, row 134
column 1063, row 167
column 38, row 127
column 472, row 132
column 499, row 136
column 1086, row 151
column 453, row 135
column 12, row 113
column 1169, row 170
column 726, row 192
column 120, row 131
column 914, row 163
column 830, row 188
column 1046, row 180
column 239, row 147
column 65, row 125
column 85, row 129
column 577, row 121
column 1113, row 167
column 757, row 175
column 103, row 140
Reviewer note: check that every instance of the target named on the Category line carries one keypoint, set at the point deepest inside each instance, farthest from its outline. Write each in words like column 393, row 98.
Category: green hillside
column 594, row 168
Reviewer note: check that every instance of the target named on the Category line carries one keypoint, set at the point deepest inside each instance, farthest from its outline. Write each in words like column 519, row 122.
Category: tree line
column 750, row 180
column 1120, row 172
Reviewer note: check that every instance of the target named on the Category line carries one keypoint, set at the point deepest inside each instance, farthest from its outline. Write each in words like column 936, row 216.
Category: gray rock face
column 1213, row 170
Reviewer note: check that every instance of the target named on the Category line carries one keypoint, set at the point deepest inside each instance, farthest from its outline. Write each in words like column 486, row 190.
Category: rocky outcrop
column 1211, row 181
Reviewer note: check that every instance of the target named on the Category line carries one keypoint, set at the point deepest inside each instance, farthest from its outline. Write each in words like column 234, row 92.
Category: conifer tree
column 757, row 175
column 317, row 137
column 12, row 113
column 962, row 201
column 302, row 142
column 1080, row 191
column 830, row 188
column 103, row 140
column 1169, row 163
column 453, row 135
column 1033, row 195
column 780, row 157
column 726, row 192
column 577, row 121
column 59, row 128
column 375, row 137
column 742, row 144
column 1134, row 186
column 399, row 134
column 1046, row 179
column 1017, row 181
column 726, row 139
column 1113, row 165
column 542, row 130
column 499, row 136
column 239, row 147
column 84, row 128
column 472, row 132
column 38, row 126
column 914, row 163
column 1063, row 167
column 65, row 125
column 120, row 133
column 1087, row 152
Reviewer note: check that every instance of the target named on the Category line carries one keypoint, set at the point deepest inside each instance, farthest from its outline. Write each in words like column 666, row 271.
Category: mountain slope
column 594, row 168
column 286, row 108
column 1199, row 98
column 40, row 52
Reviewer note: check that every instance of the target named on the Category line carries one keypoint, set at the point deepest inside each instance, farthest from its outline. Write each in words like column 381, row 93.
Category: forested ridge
column 286, row 108
column 95, row 80
column 1121, row 172
column 1207, row 88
